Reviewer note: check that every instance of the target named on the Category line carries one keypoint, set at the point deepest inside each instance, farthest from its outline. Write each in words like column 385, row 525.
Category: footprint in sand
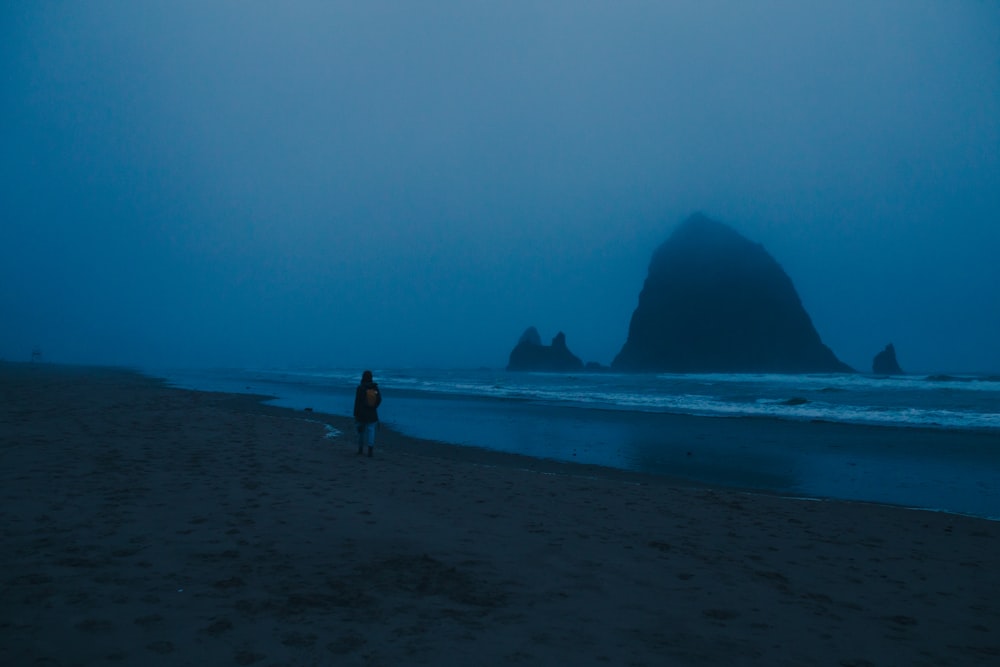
column 346, row 644
column 299, row 640
column 147, row 621
column 218, row 627
column 95, row 625
column 720, row 614
column 161, row 647
column 248, row 657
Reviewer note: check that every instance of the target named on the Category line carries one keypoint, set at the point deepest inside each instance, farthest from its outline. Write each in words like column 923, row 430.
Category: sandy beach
column 143, row 524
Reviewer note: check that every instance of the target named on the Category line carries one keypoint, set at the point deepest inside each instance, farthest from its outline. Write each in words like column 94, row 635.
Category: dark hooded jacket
column 364, row 413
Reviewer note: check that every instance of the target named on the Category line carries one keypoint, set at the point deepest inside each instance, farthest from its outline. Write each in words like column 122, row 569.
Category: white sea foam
column 958, row 402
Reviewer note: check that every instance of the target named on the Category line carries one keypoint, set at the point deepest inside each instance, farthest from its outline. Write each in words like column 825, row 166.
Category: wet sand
column 147, row 525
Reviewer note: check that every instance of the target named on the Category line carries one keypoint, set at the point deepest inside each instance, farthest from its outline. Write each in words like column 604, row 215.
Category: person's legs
column 370, row 437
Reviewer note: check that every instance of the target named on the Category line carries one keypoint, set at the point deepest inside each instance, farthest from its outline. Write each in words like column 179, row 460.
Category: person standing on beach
column 367, row 398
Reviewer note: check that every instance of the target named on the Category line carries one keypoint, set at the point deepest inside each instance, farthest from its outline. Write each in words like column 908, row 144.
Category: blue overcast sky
column 401, row 183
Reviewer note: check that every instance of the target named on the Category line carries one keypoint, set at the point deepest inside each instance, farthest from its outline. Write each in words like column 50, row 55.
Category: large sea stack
column 715, row 302
column 530, row 355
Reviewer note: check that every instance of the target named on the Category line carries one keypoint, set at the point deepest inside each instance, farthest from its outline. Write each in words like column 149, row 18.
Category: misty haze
column 330, row 184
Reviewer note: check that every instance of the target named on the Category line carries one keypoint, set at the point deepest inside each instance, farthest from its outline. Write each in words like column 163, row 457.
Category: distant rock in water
column 530, row 355
column 713, row 301
column 946, row 378
column 885, row 362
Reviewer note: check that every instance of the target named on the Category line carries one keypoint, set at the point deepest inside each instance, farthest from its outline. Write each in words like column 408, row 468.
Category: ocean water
column 921, row 441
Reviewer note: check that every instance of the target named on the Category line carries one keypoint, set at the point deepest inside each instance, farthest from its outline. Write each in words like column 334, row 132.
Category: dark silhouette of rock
column 713, row 301
column 530, row 337
column 885, row 362
column 530, row 355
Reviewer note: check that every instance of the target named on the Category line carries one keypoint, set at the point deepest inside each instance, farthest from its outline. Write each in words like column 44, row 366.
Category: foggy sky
column 413, row 184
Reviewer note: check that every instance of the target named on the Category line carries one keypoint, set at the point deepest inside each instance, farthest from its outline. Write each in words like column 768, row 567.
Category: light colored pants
column 366, row 434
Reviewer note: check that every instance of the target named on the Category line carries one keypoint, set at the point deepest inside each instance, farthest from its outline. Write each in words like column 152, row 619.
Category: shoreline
column 143, row 523
column 937, row 468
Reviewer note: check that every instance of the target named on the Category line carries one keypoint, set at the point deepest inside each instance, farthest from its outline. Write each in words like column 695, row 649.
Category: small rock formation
column 885, row 362
column 713, row 301
column 530, row 355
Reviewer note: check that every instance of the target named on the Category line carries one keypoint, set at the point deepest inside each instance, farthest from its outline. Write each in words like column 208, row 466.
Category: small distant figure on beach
column 367, row 398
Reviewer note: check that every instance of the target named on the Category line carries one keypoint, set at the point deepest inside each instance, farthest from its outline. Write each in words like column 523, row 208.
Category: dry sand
column 149, row 525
